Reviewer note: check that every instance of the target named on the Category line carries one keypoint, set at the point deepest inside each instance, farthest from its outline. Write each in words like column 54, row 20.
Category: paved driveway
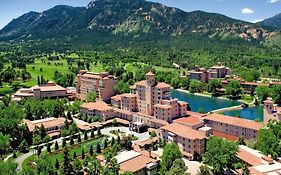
column 141, row 136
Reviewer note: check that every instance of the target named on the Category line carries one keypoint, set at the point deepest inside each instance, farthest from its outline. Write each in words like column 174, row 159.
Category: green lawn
column 47, row 70
column 76, row 148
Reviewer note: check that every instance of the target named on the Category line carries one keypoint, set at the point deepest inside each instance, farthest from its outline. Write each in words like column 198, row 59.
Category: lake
column 212, row 103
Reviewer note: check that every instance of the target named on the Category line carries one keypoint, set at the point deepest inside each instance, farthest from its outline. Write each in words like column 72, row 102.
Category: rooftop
column 191, row 120
column 243, row 123
column 47, row 123
column 126, row 155
column 98, row 105
column 149, row 73
column 137, row 163
column 184, row 131
column 197, row 114
column 162, row 106
column 116, row 97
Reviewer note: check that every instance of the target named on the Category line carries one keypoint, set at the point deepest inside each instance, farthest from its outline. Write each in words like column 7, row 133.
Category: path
column 19, row 160
column 239, row 107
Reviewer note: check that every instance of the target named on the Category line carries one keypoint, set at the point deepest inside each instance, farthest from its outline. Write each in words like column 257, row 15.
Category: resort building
column 271, row 111
column 231, row 127
column 49, row 90
column 190, row 141
column 101, row 83
column 204, row 75
column 137, row 163
column 149, row 104
column 98, row 108
column 52, row 125
column 258, row 164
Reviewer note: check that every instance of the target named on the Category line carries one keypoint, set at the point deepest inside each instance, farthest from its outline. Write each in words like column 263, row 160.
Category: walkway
column 239, row 107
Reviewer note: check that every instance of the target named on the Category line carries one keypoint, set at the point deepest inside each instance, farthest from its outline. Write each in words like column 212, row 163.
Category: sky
column 247, row 10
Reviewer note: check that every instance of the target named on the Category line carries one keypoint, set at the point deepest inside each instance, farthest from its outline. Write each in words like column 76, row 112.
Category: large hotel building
column 101, row 83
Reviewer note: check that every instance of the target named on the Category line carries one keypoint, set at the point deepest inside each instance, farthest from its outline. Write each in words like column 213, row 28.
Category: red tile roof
column 184, row 131
column 98, row 105
column 225, row 135
column 248, row 157
column 191, row 120
column 243, row 123
column 195, row 114
column 136, row 163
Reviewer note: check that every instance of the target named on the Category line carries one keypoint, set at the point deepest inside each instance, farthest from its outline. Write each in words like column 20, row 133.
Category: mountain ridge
column 274, row 21
column 130, row 17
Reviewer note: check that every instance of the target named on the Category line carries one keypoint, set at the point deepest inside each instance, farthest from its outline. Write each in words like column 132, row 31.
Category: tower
column 150, row 81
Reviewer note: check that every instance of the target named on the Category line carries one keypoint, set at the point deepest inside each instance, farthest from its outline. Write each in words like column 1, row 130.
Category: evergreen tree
column 49, row 147
column 85, row 135
column 79, row 138
column 56, row 146
column 63, row 142
column 112, row 141
column 99, row 132
column 91, row 151
column 71, row 140
column 23, row 147
column 66, row 167
column 38, row 80
column 105, row 143
column 57, row 164
column 92, row 134
column 118, row 139
column 98, row 148
column 83, row 154
column 74, row 155
column 68, row 115
column 39, row 150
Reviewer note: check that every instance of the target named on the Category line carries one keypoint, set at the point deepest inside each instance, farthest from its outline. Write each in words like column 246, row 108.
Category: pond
column 212, row 103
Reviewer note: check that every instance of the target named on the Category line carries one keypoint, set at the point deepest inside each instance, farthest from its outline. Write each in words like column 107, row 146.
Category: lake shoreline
column 223, row 98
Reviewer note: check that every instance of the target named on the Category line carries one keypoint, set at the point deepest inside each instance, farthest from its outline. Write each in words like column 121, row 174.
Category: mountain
column 130, row 18
column 274, row 21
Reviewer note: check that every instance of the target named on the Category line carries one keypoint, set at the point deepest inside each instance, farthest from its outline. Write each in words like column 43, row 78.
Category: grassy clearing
column 59, row 155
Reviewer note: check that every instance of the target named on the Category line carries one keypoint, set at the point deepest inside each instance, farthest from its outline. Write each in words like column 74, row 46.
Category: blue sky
column 248, row 10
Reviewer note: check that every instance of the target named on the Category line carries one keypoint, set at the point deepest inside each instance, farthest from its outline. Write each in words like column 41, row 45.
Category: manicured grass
column 47, row 70
column 132, row 68
column 59, row 155
column 6, row 89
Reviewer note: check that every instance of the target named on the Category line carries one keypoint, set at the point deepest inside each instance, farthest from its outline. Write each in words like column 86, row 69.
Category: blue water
column 212, row 103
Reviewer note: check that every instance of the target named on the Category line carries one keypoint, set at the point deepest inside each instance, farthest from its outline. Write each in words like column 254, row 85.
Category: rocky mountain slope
column 274, row 21
column 130, row 17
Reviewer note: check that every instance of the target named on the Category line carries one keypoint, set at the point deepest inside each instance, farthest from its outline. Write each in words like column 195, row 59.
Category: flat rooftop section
column 243, row 123
column 184, row 131
column 137, row 163
column 98, row 105
column 191, row 120
column 126, row 155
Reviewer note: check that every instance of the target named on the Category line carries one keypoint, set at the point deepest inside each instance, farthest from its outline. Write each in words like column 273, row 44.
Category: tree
column 220, row 154
column 66, row 166
column 56, row 146
column 23, row 147
column 204, row 170
column 213, row 85
column 178, row 167
column 245, row 170
column 85, row 135
column 71, row 140
column 91, row 96
column 118, row 139
column 74, row 155
column 262, row 92
column 63, row 142
column 114, row 122
column 196, row 86
column 4, row 144
column 99, row 132
column 126, row 142
column 201, row 110
column 49, row 147
column 77, row 166
column 8, row 167
column 98, row 148
column 39, row 150
column 105, row 143
column 91, row 151
column 57, row 164
column 234, row 89
column 276, row 93
column 83, row 154
column 92, row 134
column 79, row 138
column 171, row 152
column 112, row 141
column 268, row 143
column 241, row 141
